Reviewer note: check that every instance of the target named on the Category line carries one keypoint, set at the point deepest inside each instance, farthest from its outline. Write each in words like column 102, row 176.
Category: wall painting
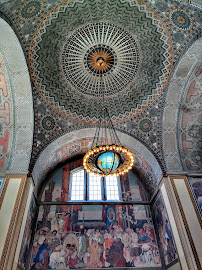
column 164, row 231
column 94, row 236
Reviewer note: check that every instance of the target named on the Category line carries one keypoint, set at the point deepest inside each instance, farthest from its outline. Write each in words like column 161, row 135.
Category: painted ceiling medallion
column 31, row 9
column 181, row 19
column 113, row 45
column 134, row 49
column 100, row 60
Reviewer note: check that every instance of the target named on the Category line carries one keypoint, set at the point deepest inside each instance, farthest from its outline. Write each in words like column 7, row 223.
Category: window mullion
column 104, row 195
column 86, row 178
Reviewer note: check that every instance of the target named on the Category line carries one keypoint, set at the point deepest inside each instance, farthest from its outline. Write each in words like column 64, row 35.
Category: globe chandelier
column 107, row 156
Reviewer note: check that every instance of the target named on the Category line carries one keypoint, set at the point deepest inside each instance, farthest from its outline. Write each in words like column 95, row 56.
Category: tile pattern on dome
column 190, row 118
column 156, row 58
column 105, row 40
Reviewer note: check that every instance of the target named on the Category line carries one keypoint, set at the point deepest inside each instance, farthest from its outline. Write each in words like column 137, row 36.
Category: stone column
column 183, row 221
column 14, row 201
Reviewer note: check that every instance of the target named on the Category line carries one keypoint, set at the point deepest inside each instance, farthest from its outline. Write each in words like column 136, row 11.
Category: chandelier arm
column 103, row 96
column 107, row 156
column 116, row 139
column 111, row 135
column 95, row 140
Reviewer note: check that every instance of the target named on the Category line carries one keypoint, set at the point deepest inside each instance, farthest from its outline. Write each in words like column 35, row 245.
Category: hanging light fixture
column 107, row 156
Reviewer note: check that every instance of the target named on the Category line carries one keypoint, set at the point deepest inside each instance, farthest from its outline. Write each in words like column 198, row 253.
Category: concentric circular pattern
column 31, row 9
column 100, row 60
column 48, row 123
column 114, row 45
column 125, row 160
column 145, row 125
column 180, row 19
column 135, row 48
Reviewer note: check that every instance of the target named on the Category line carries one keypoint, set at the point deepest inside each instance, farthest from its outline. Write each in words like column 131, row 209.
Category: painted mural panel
column 196, row 185
column 164, row 231
column 29, row 227
column 57, row 188
column 1, row 184
column 94, row 236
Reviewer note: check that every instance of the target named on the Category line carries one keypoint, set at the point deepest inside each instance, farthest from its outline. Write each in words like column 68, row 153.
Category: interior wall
column 95, row 234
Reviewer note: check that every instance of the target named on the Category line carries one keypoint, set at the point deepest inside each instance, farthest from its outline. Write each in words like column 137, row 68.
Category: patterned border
column 181, row 29
column 4, row 191
column 184, row 219
column 191, row 194
column 142, row 6
column 12, row 221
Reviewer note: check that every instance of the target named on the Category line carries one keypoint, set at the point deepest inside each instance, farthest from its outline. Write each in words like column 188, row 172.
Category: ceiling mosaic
column 62, row 41
column 63, row 45
column 190, row 119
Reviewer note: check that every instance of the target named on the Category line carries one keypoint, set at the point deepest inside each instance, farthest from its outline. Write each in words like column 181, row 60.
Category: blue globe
column 108, row 161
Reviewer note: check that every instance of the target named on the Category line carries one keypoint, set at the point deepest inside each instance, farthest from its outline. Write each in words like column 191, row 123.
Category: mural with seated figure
column 94, row 236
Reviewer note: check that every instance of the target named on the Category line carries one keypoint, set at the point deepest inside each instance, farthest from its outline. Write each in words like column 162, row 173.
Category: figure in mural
column 164, row 231
column 197, row 190
column 69, row 244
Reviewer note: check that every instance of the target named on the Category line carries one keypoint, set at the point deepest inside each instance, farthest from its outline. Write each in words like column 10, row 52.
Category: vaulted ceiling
column 143, row 42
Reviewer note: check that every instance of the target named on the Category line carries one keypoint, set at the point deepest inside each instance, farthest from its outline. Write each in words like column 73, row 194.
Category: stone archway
column 16, row 110
column 78, row 142
column 173, row 106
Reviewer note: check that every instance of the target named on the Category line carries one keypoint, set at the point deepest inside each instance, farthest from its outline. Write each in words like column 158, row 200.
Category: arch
column 172, row 107
column 79, row 142
column 16, row 110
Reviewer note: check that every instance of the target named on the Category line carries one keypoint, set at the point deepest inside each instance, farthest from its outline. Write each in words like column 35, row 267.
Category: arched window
column 90, row 187
column 81, row 214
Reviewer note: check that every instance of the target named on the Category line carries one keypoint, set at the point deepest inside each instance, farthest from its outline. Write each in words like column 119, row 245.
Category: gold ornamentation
column 100, row 60
column 125, row 155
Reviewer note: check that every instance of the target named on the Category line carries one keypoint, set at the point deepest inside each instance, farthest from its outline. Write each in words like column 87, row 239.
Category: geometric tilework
column 181, row 114
column 132, row 124
column 111, row 41
column 7, row 124
column 16, row 106
column 62, row 24
column 190, row 119
column 180, row 19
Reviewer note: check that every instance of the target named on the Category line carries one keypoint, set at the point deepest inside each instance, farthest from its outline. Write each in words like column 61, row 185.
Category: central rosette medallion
column 73, row 46
column 97, row 49
column 100, row 60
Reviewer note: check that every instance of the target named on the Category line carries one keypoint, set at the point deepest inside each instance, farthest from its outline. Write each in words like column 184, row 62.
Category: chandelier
column 107, row 156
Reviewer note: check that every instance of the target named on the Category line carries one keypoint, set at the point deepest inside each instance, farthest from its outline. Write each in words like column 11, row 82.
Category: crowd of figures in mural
column 94, row 236
column 164, row 231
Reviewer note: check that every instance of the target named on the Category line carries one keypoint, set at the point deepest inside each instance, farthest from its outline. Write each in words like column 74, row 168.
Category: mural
column 196, row 185
column 57, row 188
column 1, row 185
column 94, row 236
column 164, row 231
column 29, row 228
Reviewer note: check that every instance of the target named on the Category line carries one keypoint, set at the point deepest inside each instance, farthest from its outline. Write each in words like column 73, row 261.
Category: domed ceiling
column 140, row 42
column 136, row 46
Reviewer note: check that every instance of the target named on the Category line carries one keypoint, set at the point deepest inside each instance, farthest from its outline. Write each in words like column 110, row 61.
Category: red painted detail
column 3, row 85
column 4, row 141
column 4, row 113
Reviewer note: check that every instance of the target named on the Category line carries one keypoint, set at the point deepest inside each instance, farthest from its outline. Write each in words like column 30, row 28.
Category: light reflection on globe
column 108, row 161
